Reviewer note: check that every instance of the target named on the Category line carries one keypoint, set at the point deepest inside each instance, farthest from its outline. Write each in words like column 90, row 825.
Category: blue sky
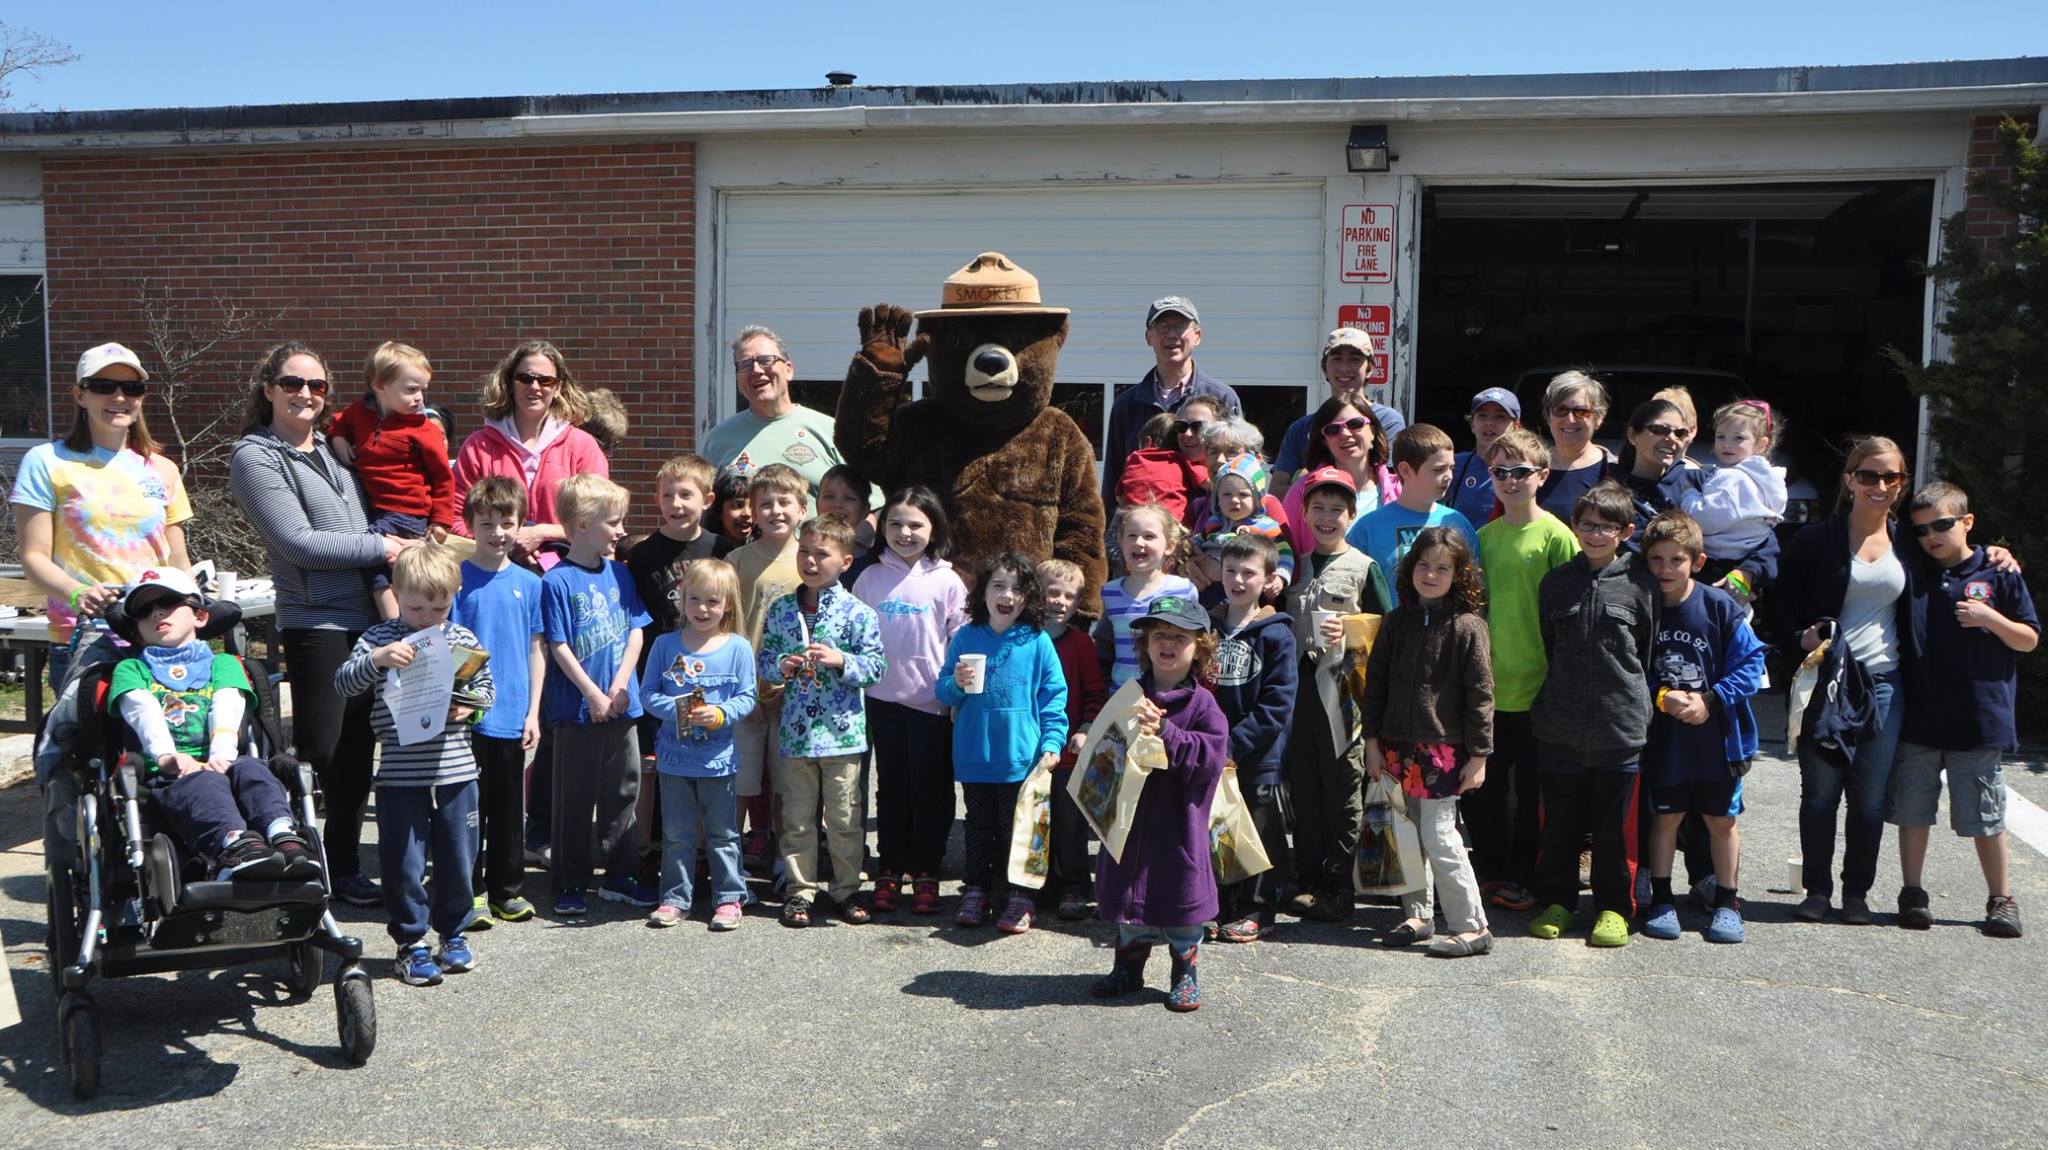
column 154, row 54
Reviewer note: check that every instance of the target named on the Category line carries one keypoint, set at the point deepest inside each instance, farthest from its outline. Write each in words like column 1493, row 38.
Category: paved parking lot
column 911, row 1033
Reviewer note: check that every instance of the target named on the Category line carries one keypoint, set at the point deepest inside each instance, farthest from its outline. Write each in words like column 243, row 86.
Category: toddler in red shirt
column 399, row 454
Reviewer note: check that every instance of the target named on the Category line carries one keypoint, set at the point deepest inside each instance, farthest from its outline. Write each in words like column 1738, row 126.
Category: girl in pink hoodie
column 920, row 601
column 531, row 408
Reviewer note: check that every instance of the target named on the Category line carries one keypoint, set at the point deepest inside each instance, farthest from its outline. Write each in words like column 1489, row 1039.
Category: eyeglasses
column 1186, row 426
column 531, row 380
column 292, row 383
column 757, row 363
column 1940, row 526
column 1575, row 412
column 1665, row 431
column 1355, row 424
column 1597, row 530
column 1513, row 474
column 132, row 388
column 1869, row 478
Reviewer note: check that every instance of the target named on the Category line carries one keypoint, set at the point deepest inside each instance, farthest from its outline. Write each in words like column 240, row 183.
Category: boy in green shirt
column 1515, row 551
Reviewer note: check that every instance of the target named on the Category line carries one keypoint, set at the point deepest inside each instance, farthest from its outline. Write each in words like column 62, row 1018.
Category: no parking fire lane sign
column 1365, row 244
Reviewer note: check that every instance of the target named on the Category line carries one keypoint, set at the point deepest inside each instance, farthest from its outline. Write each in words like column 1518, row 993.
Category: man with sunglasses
column 774, row 428
column 1173, row 330
column 1347, row 361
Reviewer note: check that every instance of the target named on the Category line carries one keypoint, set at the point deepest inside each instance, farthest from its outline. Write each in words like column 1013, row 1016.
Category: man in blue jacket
column 1255, row 685
column 1173, row 330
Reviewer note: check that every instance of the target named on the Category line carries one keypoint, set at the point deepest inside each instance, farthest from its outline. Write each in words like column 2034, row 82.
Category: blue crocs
column 1662, row 923
column 1726, row 926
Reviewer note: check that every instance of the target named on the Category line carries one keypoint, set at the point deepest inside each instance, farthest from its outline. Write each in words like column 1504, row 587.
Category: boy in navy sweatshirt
column 1255, row 686
column 1970, row 623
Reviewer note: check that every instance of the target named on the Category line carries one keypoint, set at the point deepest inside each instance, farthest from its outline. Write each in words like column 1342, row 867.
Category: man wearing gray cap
column 1347, row 360
column 1173, row 329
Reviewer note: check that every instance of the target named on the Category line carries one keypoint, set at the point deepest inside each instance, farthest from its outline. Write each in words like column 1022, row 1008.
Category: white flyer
column 418, row 694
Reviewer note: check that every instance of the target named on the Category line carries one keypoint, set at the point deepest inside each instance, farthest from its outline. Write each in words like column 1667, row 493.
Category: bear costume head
column 991, row 347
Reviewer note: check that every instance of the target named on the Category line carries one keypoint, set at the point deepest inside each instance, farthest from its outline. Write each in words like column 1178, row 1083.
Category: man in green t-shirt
column 185, row 704
column 774, row 428
column 1516, row 551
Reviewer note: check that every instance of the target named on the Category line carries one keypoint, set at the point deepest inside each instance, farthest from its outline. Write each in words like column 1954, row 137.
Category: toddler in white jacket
column 1745, row 497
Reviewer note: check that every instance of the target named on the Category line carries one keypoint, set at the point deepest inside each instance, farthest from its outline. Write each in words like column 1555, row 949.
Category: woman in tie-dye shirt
column 99, row 507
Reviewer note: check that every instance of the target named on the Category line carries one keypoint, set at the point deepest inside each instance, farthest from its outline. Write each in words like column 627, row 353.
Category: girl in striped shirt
column 1148, row 536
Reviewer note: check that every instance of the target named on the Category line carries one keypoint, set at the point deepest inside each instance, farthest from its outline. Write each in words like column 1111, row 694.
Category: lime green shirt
column 1514, row 559
column 188, row 711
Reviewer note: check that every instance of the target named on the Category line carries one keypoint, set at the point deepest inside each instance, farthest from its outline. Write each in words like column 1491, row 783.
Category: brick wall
column 1988, row 225
column 461, row 252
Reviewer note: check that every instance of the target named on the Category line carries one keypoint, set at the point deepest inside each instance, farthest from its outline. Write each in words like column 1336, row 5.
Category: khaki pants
column 758, row 751
column 799, row 785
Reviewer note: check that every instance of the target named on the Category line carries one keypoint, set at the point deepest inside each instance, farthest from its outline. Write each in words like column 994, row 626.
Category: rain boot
column 1187, row 990
column 1127, row 977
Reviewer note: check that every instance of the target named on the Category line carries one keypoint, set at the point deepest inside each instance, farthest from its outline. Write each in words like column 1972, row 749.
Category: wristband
column 81, row 589
column 1740, row 582
column 1661, row 692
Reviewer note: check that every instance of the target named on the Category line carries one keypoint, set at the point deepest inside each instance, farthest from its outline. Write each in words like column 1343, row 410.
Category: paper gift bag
column 1340, row 678
column 1804, row 681
column 1031, row 830
column 1389, row 847
column 1110, row 773
column 1234, row 845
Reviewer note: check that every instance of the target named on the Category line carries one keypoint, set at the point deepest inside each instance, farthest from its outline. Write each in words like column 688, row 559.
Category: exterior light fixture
column 1367, row 149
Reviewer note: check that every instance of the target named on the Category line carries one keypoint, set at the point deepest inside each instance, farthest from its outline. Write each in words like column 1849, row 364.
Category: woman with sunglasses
column 1345, row 435
column 99, row 507
column 1854, row 569
column 531, row 435
column 312, row 517
column 1575, row 405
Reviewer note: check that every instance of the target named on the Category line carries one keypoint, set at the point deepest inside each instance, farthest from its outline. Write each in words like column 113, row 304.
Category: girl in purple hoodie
column 920, row 601
column 1163, row 888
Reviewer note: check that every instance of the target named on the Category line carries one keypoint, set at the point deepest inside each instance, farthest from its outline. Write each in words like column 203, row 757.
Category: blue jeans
column 1176, row 937
column 411, row 822
column 693, row 811
column 1866, row 781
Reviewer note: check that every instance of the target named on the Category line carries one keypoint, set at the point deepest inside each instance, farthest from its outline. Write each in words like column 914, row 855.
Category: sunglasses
column 1185, row 426
column 1869, row 478
column 1574, row 412
column 1514, row 474
column 1664, row 431
column 132, row 388
column 1355, row 424
column 292, row 383
column 1941, row 526
column 531, row 380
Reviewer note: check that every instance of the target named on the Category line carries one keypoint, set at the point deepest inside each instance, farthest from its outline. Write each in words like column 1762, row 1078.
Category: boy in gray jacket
column 1598, row 616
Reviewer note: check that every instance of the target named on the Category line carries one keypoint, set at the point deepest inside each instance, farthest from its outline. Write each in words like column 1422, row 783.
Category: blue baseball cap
column 1497, row 395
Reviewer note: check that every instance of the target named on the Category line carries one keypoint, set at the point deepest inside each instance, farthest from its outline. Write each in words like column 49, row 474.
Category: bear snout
column 991, row 372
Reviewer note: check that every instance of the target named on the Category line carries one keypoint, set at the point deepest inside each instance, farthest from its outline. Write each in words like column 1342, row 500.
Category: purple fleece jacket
column 1165, row 878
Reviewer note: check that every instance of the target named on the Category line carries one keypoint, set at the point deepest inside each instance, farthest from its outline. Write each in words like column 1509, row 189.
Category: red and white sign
column 1365, row 244
column 1377, row 321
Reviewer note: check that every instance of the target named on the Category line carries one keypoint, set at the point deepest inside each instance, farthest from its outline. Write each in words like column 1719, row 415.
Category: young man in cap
column 1347, row 361
column 185, row 704
column 1493, row 411
column 1173, row 329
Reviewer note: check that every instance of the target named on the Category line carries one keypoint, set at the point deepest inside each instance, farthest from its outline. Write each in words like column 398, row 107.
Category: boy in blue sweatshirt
column 1255, row 685
column 1970, row 623
column 1704, row 665
column 827, row 646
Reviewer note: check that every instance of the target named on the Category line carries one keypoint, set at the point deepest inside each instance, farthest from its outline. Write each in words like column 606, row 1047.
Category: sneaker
column 1514, row 896
column 300, row 863
column 570, row 904
column 1245, row 929
column 1726, row 925
column 924, row 896
column 1487, row 888
column 1703, row 892
column 628, row 890
column 2002, row 916
column 1662, row 922
column 416, row 966
column 726, row 917
column 1812, row 908
column 1016, row 915
column 1914, row 913
column 357, row 890
column 247, row 858
column 887, row 892
column 1554, row 921
column 455, row 956
column 479, row 914
column 973, row 907
column 1073, row 906
column 666, row 915
column 1610, row 929
column 514, row 909
column 1855, row 911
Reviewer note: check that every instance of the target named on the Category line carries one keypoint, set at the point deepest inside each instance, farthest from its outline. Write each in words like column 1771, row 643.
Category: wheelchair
column 124, row 898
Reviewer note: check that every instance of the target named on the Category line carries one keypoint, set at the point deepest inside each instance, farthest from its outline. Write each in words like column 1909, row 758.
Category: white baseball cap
column 160, row 583
column 98, row 359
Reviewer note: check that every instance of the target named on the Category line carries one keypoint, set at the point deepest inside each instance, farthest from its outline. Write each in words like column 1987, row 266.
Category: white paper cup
column 224, row 584
column 975, row 666
column 1322, row 617
column 1795, row 876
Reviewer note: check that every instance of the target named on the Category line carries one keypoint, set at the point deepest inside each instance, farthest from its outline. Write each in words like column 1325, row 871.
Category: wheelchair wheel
column 62, row 916
column 308, row 967
column 78, row 1040
column 355, row 1014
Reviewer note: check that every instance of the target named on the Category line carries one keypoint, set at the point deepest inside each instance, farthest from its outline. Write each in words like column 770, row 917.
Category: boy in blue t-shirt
column 593, row 619
column 1705, row 663
column 1970, row 623
column 1424, row 458
column 500, row 602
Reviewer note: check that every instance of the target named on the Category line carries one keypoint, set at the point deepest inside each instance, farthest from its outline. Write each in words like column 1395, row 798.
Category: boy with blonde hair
column 399, row 454
column 780, row 500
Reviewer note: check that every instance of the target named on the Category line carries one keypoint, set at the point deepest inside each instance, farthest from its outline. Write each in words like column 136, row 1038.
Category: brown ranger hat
column 990, row 285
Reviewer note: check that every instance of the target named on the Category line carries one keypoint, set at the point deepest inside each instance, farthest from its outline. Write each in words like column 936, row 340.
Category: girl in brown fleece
column 1428, row 720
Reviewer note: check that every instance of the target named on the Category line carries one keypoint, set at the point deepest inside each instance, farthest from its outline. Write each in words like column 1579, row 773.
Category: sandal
column 852, row 913
column 1405, row 935
column 797, row 912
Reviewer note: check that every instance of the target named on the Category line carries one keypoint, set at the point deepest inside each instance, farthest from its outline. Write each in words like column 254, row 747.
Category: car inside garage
column 1791, row 292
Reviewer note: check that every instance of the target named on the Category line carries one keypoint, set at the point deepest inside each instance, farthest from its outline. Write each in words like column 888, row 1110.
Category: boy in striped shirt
column 426, row 792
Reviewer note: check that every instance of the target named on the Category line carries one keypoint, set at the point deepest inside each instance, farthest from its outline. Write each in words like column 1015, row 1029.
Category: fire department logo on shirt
column 1977, row 591
column 176, row 671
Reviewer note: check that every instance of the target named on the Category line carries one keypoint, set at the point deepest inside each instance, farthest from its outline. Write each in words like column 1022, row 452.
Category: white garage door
column 1248, row 255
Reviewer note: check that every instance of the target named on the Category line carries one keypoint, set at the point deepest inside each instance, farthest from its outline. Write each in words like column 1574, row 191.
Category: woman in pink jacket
column 531, row 408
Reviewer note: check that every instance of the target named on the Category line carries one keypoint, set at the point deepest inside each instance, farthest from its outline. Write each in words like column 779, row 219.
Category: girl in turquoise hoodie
column 1007, row 718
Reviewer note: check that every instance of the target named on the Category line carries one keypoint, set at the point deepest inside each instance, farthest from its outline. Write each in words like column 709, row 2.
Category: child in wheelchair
column 185, row 705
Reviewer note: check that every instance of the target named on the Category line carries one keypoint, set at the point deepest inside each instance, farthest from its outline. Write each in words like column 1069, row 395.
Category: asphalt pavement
column 912, row 1032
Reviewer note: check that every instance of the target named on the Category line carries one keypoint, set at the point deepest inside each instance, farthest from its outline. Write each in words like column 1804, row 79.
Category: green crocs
column 1610, row 930
column 1554, row 920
